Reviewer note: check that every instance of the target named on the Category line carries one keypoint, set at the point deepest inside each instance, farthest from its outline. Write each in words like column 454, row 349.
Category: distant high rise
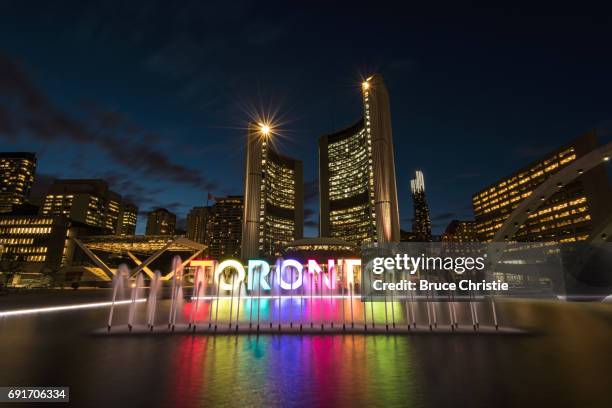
column 568, row 215
column 113, row 207
column 83, row 200
column 128, row 218
column 160, row 222
column 16, row 178
column 421, row 224
column 225, row 227
column 273, row 197
column 197, row 221
column 358, row 193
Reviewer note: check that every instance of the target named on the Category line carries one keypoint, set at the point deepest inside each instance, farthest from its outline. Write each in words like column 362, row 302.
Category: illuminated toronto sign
column 287, row 273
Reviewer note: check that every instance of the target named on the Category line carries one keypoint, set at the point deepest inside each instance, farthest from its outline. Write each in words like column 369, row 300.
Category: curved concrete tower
column 273, row 197
column 358, row 193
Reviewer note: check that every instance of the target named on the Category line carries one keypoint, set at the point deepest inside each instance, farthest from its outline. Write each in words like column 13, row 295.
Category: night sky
column 155, row 97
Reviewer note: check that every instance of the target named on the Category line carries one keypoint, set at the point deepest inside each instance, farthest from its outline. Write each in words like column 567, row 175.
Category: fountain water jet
column 197, row 303
column 136, row 286
column 231, row 300
column 177, row 290
column 197, row 284
column 291, row 302
column 321, row 300
column 350, row 289
column 152, row 300
column 302, row 303
column 311, row 277
column 279, row 295
column 217, row 306
column 238, row 306
column 258, row 299
column 121, row 273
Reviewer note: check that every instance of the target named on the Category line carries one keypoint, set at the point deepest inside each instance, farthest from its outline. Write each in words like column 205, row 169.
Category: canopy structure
column 149, row 246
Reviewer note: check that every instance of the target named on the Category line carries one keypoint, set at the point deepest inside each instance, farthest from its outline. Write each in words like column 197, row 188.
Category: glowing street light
column 265, row 129
column 365, row 85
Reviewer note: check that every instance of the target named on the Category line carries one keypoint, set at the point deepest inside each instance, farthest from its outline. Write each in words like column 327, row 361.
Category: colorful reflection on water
column 563, row 364
column 292, row 370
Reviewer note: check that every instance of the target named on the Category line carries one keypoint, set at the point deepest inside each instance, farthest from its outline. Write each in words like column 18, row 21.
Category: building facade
column 90, row 202
column 460, row 232
column 128, row 218
column 421, row 223
column 273, row 197
column 32, row 246
column 197, row 221
column 358, row 193
column 567, row 216
column 224, row 228
column 34, row 239
column 160, row 222
column 17, row 171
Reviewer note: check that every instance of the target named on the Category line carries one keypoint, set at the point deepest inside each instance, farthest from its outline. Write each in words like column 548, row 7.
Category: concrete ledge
column 306, row 329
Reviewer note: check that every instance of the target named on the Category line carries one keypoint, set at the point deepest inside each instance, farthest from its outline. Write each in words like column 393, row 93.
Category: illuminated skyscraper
column 421, row 224
column 224, row 227
column 273, row 197
column 197, row 221
column 16, row 178
column 568, row 215
column 358, row 193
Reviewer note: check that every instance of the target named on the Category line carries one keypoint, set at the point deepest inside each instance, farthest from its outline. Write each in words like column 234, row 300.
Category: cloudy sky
column 155, row 96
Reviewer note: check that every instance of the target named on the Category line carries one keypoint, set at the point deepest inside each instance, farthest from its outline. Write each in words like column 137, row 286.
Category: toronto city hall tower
column 358, row 193
column 273, row 197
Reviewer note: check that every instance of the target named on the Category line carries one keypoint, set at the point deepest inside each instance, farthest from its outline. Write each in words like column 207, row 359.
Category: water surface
column 567, row 363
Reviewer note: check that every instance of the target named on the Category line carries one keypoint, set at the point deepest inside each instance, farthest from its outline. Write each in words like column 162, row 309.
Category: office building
column 34, row 238
column 421, row 224
column 90, row 202
column 225, row 228
column 128, row 217
column 460, row 232
column 33, row 246
column 197, row 221
column 16, row 178
column 358, row 194
column 568, row 215
column 160, row 222
column 112, row 207
column 273, row 197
